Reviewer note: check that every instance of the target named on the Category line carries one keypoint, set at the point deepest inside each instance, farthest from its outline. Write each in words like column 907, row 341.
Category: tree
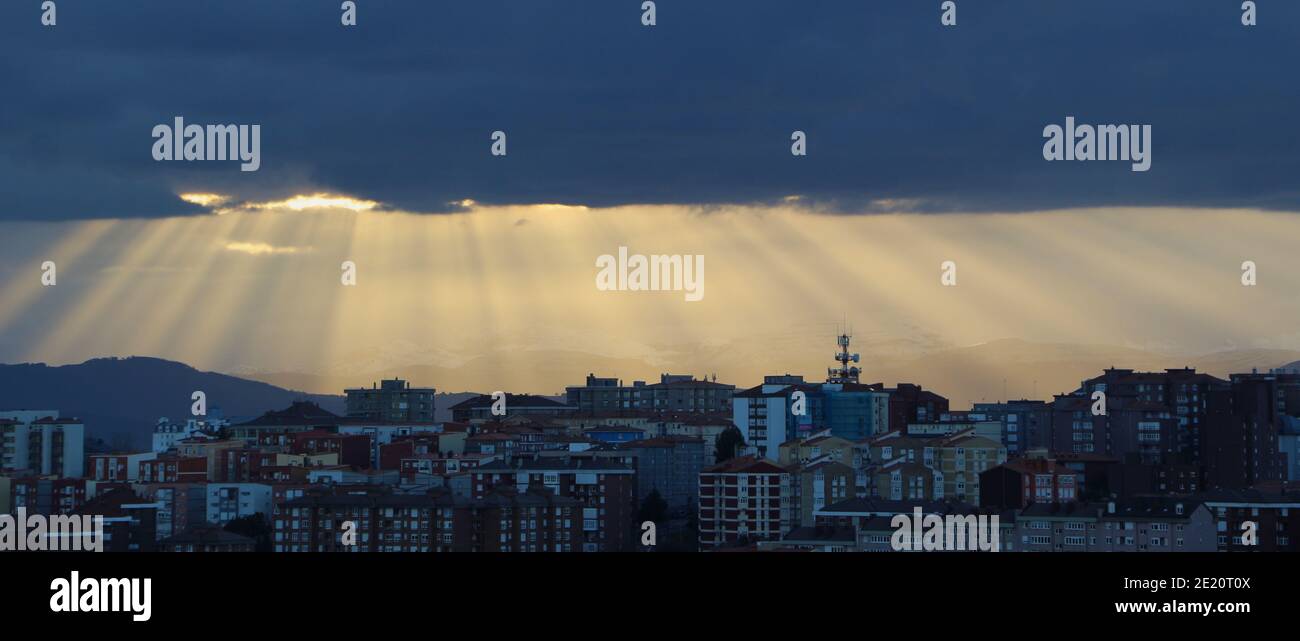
column 253, row 526
column 120, row 442
column 654, row 508
column 729, row 442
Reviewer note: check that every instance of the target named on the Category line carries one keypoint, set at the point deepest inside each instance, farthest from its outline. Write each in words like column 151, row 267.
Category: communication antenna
column 845, row 373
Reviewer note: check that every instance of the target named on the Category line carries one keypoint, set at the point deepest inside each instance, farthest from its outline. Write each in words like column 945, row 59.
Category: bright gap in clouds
column 251, row 289
column 300, row 202
column 258, row 249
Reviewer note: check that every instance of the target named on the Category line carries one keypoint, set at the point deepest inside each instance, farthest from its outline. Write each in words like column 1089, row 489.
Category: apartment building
column 606, row 489
column 1155, row 524
column 1023, row 481
column 391, row 400
column 41, row 443
column 378, row 519
column 745, row 499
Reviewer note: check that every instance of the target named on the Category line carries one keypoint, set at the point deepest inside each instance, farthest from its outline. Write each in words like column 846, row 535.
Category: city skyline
column 335, row 312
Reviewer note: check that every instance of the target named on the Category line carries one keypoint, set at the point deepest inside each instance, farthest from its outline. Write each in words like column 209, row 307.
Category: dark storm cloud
column 600, row 110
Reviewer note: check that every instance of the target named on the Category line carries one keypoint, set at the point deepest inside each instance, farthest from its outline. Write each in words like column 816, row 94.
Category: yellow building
column 958, row 459
column 822, row 444
column 821, row 483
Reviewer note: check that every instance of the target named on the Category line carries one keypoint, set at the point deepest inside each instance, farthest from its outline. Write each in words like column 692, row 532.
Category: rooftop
column 299, row 413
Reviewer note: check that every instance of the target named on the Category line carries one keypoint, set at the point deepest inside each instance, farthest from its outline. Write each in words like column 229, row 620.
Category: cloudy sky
column 924, row 145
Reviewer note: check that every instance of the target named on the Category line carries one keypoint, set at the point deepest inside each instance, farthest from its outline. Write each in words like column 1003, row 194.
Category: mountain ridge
column 120, row 399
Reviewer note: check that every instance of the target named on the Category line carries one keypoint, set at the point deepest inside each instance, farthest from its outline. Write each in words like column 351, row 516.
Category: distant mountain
column 120, row 399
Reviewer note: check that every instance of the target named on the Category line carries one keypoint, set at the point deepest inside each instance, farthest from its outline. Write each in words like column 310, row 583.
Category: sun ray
column 18, row 294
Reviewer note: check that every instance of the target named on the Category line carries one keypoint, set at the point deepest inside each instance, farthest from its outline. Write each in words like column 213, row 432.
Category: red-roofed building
column 179, row 505
column 116, row 467
column 391, row 454
column 353, row 449
column 498, row 443
column 605, row 488
column 744, row 500
column 1019, row 482
column 240, row 464
column 174, row 469
column 49, row 495
column 441, row 465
